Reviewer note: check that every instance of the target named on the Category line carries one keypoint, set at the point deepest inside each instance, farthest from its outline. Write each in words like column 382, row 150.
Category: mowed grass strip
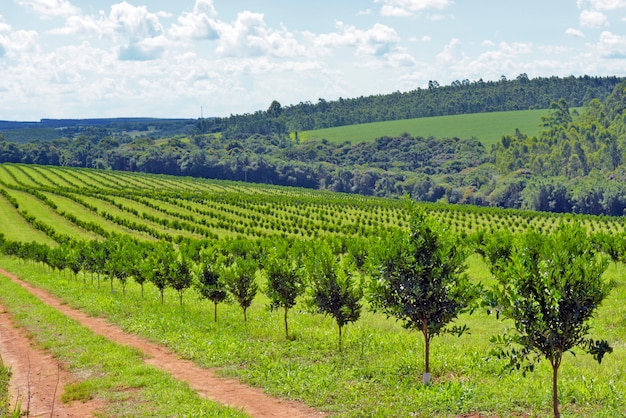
column 105, row 370
column 49, row 216
column 83, row 214
column 15, row 228
column 39, row 174
column 379, row 371
column 20, row 175
column 487, row 127
column 56, row 176
column 93, row 178
column 114, row 211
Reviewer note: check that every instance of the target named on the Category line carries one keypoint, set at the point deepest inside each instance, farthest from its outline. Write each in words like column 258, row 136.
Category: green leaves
column 418, row 277
column 550, row 286
column 335, row 291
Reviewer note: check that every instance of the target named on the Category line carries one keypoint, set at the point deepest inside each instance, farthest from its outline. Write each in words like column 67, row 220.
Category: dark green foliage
column 335, row 291
column 550, row 286
column 418, row 277
column 284, row 278
column 209, row 281
column 180, row 278
column 241, row 283
column 161, row 261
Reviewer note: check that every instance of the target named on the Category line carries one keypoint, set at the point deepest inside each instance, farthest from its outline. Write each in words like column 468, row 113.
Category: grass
column 5, row 405
column 104, row 370
column 15, row 228
column 487, row 127
column 379, row 371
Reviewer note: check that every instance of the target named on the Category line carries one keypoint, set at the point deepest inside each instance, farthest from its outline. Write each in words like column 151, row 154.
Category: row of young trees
column 548, row 285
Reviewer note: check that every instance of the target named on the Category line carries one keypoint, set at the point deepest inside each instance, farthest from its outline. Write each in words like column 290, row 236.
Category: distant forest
column 576, row 164
column 461, row 97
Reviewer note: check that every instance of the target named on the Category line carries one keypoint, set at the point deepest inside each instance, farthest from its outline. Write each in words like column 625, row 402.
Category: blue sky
column 163, row 58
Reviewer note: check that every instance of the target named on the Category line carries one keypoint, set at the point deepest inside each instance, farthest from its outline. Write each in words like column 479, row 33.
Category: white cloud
column 50, row 8
column 204, row 7
column 593, row 19
column 603, row 4
column 197, row 25
column 13, row 43
column 250, row 36
column 378, row 40
column 404, row 8
column 611, row 46
column 134, row 22
column 574, row 32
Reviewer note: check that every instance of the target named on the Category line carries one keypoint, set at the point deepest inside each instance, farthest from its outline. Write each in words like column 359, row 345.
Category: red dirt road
column 225, row 391
column 37, row 378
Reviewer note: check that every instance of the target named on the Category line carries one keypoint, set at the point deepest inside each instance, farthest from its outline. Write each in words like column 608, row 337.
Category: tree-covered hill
column 461, row 97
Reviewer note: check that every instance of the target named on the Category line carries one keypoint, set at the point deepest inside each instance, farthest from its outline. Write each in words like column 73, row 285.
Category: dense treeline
column 461, row 97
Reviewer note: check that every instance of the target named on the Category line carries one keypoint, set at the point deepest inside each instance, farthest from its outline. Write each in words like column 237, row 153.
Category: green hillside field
column 487, row 127
column 378, row 372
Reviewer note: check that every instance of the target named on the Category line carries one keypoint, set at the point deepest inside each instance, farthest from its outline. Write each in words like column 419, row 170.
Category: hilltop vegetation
column 461, row 97
column 575, row 163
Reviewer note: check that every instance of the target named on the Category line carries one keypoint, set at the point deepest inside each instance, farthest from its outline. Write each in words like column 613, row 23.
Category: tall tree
column 418, row 277
column 241, row 283
column 209, row 281
column 284, row 279
column 550, row 286
column 334, row 288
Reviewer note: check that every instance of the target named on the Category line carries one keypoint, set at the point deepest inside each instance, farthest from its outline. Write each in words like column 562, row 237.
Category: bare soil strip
column 37, row 378
column 225, row 391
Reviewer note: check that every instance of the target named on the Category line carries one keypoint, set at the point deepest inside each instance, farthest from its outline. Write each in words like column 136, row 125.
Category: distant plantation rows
column 53, row 204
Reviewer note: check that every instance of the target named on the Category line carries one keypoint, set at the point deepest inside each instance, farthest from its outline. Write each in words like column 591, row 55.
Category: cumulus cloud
column 593, row 19
column 50, row 8
column 197, row 25
column 404, row 8
column 204, row 7
column 250, row 36
column 574, row 32
column 14, row 43
column 378, row 40
column 611, row 46
column 602, row 4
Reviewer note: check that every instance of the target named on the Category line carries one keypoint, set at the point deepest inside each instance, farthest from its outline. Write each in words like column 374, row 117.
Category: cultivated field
column 487, row 127
column 378, row 372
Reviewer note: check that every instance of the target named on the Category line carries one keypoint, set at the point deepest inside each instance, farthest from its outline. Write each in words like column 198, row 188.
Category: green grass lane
column 49, row 216
column 379, row 371
column 15, row 228
column 67, row 205
column 105, row 370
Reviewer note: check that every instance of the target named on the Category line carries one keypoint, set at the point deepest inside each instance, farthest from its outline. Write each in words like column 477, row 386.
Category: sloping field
column 487, row 127
column 86, row 204
column 378, row 373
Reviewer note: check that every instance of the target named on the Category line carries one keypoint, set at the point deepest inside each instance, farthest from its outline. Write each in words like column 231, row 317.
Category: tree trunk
column 245, row 316
column 286, row 325
column 555, row 388
column 142, row 290
column 180, row 298
column 339, row 326
column 426, row 376
column 215, row 312
column 161, row 290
